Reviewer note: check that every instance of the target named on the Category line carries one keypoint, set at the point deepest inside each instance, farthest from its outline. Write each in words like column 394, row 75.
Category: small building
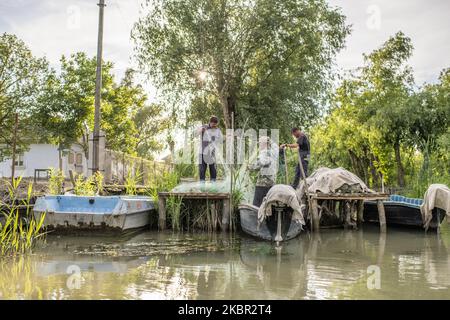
column 43, row 156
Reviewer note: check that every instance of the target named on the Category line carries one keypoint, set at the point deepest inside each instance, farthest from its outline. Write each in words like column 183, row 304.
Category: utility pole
column 98, row 91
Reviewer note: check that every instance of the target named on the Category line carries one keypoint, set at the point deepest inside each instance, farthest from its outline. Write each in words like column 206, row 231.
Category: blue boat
column 402, row 211
column 82, row 213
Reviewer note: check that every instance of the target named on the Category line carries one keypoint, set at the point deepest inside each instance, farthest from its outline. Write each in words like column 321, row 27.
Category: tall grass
column 56, row 182
column 131, row 182
column 18, row 234
column 174, row 205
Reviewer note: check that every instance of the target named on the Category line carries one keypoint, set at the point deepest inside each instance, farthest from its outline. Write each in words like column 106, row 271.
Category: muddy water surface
column 337, row 264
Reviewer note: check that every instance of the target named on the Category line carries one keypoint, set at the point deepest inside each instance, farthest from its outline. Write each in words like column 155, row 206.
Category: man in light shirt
column 267, row 164
column 211, row 138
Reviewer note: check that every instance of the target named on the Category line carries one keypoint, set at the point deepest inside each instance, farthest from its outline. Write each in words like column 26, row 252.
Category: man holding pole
column 302, row 143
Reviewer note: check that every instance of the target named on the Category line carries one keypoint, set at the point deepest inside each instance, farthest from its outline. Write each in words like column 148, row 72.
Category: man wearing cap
column 211, row 138
column 302, row 143
column 266, row 163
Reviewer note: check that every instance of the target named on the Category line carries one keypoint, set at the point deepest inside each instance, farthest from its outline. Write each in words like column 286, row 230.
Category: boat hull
column 400, row 214
column 267, row 230
column 78, row 214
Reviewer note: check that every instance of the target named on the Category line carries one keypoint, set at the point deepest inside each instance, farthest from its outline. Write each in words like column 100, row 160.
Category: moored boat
column 280, row 226
column 402, row 211
column 97, row 213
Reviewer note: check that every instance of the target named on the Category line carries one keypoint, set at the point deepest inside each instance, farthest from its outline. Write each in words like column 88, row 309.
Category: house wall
column 43, row 156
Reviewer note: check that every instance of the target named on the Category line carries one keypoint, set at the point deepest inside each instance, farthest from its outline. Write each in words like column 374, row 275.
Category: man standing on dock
column 211, row 138
column 302, row 143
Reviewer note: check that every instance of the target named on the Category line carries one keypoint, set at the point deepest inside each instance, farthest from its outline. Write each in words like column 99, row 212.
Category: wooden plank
column 195, row 195
column 315, row 215
column 162, row 213
column 381, row 215
column 350, row 196
column 122, row 186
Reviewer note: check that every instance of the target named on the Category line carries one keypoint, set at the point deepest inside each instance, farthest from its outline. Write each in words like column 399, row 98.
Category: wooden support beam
column 196, row 195
column 162, row 213
column 315, row 215
column 226, row 215
column 381, row 215
column 360, row 214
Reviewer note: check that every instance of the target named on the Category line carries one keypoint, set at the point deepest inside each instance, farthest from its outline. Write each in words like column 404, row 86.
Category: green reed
column 19, row 233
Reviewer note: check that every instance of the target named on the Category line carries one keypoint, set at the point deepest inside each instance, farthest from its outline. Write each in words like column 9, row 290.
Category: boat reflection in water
column 152, row 265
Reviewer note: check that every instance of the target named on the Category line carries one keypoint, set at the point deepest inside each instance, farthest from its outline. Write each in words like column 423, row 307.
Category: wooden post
column 360, row 214
column 13, row 166
column 162, row 213
column 381, row 215
column 315, row 220
column 226, row 215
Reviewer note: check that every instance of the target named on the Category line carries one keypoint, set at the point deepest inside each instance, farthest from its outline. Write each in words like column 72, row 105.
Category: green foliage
column 166, row 182
column 246, row 57
column 55, row 182
column 21, row 80
column 91, row 186
column 378, row 126
column 18, row 234
column 68, row 112
column 150, row 122
column 97, row 180
column 131, row 182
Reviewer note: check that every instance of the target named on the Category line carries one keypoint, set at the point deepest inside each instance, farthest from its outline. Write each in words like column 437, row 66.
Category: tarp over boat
column 338, row 180
column 282, row 194
column 437, row 196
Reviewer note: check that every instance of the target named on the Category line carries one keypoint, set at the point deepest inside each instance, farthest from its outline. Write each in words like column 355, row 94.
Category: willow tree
column 270, row 54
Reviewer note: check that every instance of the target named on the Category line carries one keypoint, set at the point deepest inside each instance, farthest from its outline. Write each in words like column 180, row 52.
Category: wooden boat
column 402, row 211
column 278, row 227
column 81, row 213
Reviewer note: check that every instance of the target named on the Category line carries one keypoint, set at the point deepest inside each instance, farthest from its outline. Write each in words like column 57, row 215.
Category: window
column 71, row 158
column 79, row 159
column 19, row 161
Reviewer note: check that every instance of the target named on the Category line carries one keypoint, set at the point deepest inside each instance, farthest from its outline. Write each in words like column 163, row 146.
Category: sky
column 56, row 27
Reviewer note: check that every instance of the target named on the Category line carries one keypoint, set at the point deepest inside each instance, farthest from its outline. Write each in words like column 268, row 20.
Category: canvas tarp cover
column 437, row 196
column 283, row 194
column 338, row 180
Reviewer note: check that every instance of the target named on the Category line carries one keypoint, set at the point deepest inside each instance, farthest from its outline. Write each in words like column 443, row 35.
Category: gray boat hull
column 249, row 224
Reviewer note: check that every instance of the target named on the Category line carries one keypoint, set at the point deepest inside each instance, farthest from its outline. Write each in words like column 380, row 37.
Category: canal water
column 338, row 264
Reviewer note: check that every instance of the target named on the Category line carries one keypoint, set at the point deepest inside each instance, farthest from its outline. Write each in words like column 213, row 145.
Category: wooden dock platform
column 355, row 201
column 224, row 197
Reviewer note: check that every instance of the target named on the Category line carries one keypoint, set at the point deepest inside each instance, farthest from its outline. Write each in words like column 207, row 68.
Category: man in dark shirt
column 302, row 143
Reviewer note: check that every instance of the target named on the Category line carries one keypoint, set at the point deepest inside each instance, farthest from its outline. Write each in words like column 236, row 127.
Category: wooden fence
column 119, row 165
